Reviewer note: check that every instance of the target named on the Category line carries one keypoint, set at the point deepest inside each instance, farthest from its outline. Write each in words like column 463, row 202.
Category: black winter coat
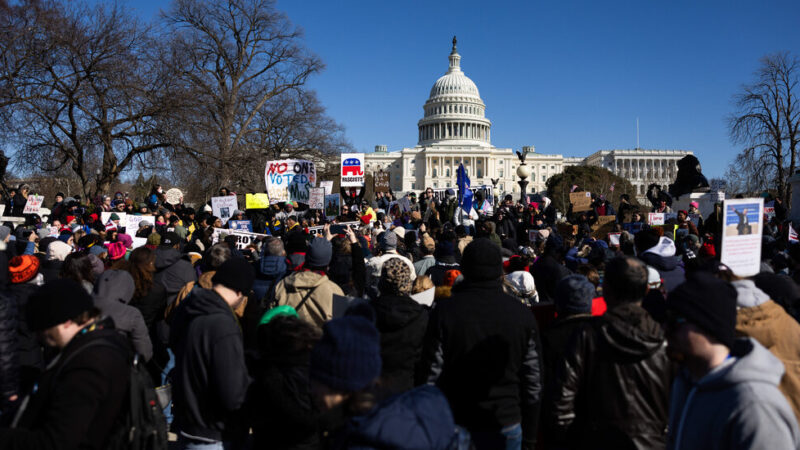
column 9, row 344
column 210, row 378
column 482, row 350
column 173, row 271
column 31, row 360
column 78, row 397
column 402, row 323
column 612, row 387
column 547, row 272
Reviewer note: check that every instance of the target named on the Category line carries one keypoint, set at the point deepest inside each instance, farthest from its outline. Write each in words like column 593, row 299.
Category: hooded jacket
column 612, row 387
column 172, row 271
column 210, row 378
column 310, row 293
column 737, row 405
column 770, row 325
column 270, row 270
column 112, row 293
column 402, row 323
column 662, row 258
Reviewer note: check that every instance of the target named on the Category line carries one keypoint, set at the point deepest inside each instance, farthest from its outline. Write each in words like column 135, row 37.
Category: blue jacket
column 271, row 270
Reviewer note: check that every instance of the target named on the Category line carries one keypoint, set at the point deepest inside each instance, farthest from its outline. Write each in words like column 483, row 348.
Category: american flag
column 612, row 186
column 574, row 186
column 793, row 234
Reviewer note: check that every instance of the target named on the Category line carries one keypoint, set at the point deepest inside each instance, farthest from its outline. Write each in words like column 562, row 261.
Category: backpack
column 141, row 424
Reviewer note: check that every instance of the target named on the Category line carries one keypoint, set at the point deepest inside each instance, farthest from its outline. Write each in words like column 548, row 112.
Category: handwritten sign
column 581, row 201
column 655, row 218
column 290, row 180
column 256, row 201
column 327, row 185
column 317, row 198
column 174, row 196
column 223, row 207
column 380, row 182
column 34, row 204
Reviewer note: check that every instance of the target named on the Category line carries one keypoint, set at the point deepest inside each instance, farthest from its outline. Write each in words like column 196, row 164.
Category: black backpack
column 141, row 424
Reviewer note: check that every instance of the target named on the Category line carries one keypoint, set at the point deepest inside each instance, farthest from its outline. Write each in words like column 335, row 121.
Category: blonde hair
column 421, row 284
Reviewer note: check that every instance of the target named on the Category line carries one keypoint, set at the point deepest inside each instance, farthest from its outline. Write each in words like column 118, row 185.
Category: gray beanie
column 387, row 240
column 574, row 295
column 4, row 232
column 319, row 253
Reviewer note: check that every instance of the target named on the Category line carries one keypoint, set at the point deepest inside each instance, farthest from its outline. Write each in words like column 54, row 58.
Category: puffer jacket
column 402, row 323
column 612, row 387
column 668, row 266
column 769, row 324
column 112, row 293
column 310, row 293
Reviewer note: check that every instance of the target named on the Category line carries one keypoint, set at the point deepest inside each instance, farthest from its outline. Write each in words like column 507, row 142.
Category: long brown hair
column 142, row 266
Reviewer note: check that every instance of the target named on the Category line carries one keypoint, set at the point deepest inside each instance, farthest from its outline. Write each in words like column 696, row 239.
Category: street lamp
column 523, row 172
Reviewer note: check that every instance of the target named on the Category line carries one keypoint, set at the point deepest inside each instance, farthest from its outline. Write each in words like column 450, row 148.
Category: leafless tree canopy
column 213, row 88
column 766, row 121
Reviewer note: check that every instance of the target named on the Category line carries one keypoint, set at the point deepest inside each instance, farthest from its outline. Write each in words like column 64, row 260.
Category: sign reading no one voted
column 290, row 180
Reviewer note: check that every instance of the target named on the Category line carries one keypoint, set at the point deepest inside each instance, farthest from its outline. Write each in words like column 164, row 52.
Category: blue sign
column 243, row 225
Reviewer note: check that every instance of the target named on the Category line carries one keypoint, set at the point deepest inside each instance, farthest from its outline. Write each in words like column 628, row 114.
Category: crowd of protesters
column 427, row 325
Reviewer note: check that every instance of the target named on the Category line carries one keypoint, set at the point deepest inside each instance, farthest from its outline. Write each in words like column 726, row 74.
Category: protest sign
column 695, row 219
column 174, row 196
column 139, row 242
column 256, row 201
column 581, row 201
column 332, row 206
column 314, row 231
column 52, row 231
column 613, row 239
column 33, row 205
column 352, row 170
column 327, row 185
column 670, row 217
column 317, row 198
column 131, row 222
column 655, row 218
column 405, row 204
column 741, row 235
column 2, row 209
column 380, row 182
column 566, row 229
column 223, row 207
column 769, row 210
column 603, row 226
column 290, row 180
column 243, row 238
column 106, row 216
column 243, row 225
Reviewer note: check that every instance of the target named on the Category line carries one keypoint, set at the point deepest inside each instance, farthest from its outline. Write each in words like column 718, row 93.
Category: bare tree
column 86, row 90
column 766, row 121
column 242, row 60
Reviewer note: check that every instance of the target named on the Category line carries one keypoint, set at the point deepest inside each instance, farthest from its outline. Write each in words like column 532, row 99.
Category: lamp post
column 523, row 172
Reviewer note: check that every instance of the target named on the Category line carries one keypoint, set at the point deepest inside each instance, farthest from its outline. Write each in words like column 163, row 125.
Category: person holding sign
column 20, row 199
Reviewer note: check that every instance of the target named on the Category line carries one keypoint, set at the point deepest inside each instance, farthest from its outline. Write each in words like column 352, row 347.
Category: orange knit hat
column 22, row 269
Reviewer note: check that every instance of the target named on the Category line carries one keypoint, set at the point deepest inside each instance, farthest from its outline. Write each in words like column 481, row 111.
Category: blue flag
column 464, row 194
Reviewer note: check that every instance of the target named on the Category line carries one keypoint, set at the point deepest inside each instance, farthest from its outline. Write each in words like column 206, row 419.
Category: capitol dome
column 454, row 113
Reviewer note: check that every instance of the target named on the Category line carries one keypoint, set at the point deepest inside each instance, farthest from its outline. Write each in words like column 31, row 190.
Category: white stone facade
column 454, row 129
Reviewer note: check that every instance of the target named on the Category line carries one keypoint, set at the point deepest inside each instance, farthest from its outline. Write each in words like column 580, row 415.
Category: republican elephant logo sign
column 352, row 169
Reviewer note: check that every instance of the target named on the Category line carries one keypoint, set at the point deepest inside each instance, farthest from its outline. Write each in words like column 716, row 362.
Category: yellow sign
column 256, row 201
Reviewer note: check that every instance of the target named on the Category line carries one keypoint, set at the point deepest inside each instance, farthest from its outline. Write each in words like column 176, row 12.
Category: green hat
column 283, row 310
column 114, row 216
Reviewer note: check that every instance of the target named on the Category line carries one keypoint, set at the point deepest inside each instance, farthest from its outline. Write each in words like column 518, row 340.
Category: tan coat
column 319, row 290
column 772, row 327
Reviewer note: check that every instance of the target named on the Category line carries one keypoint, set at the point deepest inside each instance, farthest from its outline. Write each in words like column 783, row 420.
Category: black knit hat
column 482, row 261
column 708, row 302
column 235, row 274
column 348, row 357
column 170, row 239
column 56, row 302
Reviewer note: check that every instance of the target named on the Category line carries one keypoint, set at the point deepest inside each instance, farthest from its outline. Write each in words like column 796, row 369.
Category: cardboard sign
column 290, row 180
column 352, row 170
column 317, row 198
column 333, row 204
column 223, row 207
column 581, row 201
column 174, row 196
column 742, row 225
column 243, row 238
column 327, row 185
column 380, row 182
column 242, row 225
column 566, row 229
column 655, row 218
column 256, row 201
column 603, row 226
column 33, row 205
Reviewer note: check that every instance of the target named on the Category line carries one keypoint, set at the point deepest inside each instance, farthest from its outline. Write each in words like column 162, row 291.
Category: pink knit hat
column 116, row 250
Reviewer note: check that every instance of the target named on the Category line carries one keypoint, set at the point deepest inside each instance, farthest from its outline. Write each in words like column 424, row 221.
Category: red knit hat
column 365, row 219
column 708, row 250
column 22, row 269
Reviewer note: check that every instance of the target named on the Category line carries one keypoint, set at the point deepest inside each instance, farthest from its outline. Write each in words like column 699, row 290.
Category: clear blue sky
column 569, row 77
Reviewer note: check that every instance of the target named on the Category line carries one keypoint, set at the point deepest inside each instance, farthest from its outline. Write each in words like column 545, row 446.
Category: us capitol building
column 454, row 129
